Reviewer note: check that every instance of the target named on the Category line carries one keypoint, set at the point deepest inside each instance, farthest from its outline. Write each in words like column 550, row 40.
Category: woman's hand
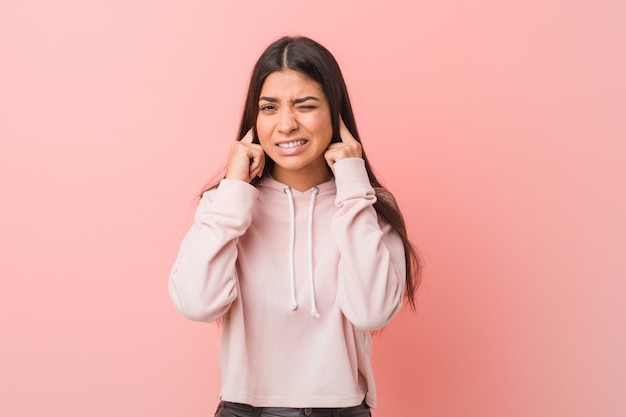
column 347, row 148
column 246, row 159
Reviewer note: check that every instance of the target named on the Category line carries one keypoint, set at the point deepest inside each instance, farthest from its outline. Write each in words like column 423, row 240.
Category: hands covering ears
column 247, row 159
column 347, row 148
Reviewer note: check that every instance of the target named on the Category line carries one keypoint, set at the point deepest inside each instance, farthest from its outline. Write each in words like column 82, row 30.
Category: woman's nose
column 287, row 122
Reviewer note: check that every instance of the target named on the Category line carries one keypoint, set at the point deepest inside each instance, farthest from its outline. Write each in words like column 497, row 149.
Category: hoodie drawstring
column 292, row 239
column 314, row 312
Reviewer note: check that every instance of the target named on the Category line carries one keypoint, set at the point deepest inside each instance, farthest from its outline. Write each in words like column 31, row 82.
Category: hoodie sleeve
column 372, row 260
column 203, row 281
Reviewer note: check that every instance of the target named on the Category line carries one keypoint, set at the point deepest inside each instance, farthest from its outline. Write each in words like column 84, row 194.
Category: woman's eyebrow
column 295, row 101
column 303, row 99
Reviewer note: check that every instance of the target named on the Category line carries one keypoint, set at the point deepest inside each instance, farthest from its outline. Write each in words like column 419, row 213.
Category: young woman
column 299, row 251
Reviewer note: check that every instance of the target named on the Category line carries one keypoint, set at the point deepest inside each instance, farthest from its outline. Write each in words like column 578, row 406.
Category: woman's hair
column 309, row 58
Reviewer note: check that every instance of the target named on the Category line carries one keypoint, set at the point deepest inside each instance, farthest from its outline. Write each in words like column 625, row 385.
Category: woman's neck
column 303, row 179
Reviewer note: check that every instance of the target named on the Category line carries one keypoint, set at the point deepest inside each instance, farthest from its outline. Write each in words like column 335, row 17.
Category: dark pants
column 228, row 409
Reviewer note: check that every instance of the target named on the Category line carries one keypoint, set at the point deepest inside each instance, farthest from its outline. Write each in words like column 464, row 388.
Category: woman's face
column 294, row 126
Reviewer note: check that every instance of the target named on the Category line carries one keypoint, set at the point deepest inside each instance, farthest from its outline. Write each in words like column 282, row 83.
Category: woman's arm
column 203, row 280
column 372, row 259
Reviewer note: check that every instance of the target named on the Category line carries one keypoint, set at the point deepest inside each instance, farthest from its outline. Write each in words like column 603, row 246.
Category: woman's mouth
column 292, row 144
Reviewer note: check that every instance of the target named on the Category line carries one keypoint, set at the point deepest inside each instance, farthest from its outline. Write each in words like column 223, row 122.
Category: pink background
column 498, row 124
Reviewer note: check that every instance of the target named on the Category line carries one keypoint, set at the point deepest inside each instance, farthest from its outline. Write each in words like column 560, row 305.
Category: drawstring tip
column 293, row 306
column 315, row 314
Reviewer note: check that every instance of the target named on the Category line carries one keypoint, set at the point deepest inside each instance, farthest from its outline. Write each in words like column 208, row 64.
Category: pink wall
column 499, row 125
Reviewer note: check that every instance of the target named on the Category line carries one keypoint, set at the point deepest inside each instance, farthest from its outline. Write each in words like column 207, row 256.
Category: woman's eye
column 267, row 108
column 306, row 108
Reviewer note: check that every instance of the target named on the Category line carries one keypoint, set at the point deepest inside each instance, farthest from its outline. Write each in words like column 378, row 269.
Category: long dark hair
column 308, row 57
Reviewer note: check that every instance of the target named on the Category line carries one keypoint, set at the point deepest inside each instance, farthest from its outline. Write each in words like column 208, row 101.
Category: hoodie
column 299, row 280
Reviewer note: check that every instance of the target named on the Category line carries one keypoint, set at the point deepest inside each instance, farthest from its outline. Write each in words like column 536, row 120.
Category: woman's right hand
column 246, row 159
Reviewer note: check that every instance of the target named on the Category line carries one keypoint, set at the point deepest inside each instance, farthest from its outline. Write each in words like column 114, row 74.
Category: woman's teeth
column 292, row 144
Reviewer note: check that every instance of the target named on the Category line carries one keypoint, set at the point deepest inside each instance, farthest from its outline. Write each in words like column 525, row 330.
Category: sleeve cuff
column 233, row 198
column 352, row 180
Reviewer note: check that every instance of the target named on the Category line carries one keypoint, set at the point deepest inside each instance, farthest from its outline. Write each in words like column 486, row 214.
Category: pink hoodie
column 299, row 280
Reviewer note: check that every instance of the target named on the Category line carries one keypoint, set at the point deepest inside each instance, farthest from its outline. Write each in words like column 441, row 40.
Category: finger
column 344, row 133
column 331, row 157
column 248, row 137
column 254, row 168
column 257, row 163
column 257, row 172
column 343, row 150
column 240, row 160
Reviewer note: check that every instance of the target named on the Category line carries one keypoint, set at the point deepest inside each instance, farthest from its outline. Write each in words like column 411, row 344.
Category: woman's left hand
column 347, row 148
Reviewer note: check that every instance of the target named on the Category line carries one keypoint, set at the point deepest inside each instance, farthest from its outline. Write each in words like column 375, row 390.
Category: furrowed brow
column 295, row 101
column 303, row 99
